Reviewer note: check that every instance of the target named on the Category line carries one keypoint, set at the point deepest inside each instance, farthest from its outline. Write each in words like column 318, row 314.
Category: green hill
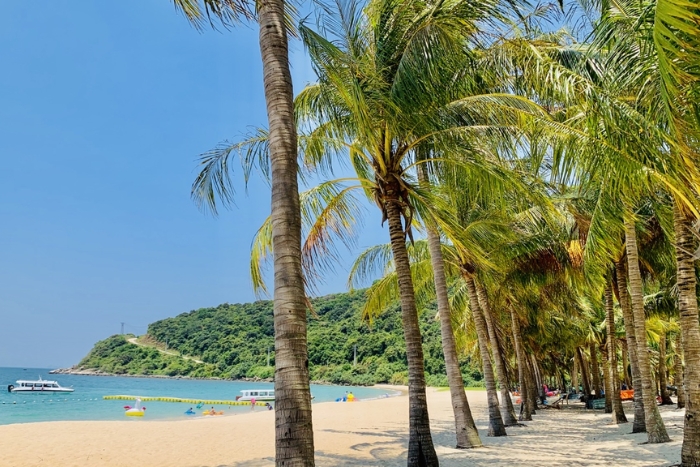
column 233, row 342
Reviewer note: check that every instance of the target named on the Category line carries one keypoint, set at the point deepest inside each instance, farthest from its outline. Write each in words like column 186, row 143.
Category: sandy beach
column 366, row 433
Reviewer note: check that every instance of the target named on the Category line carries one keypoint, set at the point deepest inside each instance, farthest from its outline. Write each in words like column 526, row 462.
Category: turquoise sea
column 87, row 402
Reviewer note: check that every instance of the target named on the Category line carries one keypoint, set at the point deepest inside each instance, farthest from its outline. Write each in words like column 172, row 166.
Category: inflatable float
column 136, row 411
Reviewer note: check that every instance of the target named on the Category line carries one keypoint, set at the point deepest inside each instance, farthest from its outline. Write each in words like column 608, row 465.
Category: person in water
column 351, row 396
column 252, row 403
column 212, row 411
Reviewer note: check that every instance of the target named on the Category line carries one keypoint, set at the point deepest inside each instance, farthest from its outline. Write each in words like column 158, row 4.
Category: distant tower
column 122, row 329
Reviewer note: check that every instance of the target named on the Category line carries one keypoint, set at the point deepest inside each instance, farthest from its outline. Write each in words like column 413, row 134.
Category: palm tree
column 525, row 397
column 639, row 423
column 378, row 98
column 678, row 372
column 294, row 442
column 467, row 434
column 496, row 425
column 685, row 245
column 508, row 412
column 656, row 431
column 614, row 389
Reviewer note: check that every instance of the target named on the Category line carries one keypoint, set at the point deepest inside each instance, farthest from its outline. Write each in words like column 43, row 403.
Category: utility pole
column 122, row 329
column 354, row 358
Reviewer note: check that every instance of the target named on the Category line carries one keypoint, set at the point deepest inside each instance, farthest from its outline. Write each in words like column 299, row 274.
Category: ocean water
column 87, row 402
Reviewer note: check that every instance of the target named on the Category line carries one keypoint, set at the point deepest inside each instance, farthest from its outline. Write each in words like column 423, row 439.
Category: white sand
column 369, row 433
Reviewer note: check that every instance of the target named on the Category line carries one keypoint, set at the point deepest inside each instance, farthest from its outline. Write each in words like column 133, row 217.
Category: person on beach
column 252, row 403
column 268, row 405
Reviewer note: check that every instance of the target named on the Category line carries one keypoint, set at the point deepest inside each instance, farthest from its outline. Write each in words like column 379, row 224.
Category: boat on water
column 39, row 386
column 257, row 394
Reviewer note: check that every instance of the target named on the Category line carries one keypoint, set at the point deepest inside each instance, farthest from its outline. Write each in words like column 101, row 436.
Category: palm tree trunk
column 607, row 382
column 617, row 410
column 584, row 373
column 625, row 364
column 525, row 413
column 678, row 373
column 532, row 390
column 595, row 369
column 508, row 411
column 639, row 422
column 294, row 441
column 496, row 427
column 467, row 434
column 574, row 377
column 535, row 380
column 690, row 336
column 421, row 451
column 663, row 372
column 656, row 431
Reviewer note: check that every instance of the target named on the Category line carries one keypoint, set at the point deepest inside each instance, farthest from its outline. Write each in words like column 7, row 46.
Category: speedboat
column 257, row 394
column 39, row 386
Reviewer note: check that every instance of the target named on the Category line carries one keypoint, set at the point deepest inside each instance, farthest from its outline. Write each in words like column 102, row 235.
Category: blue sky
column 104, row 107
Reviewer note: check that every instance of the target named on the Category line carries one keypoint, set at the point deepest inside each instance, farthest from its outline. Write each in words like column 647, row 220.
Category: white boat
column 39, row 386
column 257, row 394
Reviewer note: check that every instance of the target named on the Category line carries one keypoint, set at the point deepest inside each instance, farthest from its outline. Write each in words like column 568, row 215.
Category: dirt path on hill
column 135, row 341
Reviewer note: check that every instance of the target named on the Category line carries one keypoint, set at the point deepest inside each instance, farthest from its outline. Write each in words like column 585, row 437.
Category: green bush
column 400, row 378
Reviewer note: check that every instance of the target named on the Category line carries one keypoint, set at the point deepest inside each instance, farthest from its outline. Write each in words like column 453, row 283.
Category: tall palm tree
column 496, row 425
column 507, row 410
column 467, row 435
column 678, row 372
column 656, row 431
column 614, row 390
column 378, row 97
column 294, row 442
column 685, row 245
column 639, row 423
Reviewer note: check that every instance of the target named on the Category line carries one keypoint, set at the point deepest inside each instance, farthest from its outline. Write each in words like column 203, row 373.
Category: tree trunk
column 607, row 382
column 525, row 413
column 574, row 377
column 294, row 441
column 617, row 410
column 625, row 364
column 496, row 427
column 536, row 380
column 663, row 372
column 656, row 431
column 467, row 434
column 595, row 369
column 508, row 412
column 678, row 373
column 690, row 336
column 584, row 373
column 532, row 390
column 639, row 422
column 421, row 451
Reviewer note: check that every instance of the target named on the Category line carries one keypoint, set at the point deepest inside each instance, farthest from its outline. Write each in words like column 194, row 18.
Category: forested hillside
column 233, row 342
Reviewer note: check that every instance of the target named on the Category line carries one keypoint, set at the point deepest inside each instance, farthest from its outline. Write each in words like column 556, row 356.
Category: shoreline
column 87, row 372
column 366, row 433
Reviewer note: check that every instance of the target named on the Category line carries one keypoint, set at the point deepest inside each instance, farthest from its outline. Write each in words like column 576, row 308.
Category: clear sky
column 104, row 107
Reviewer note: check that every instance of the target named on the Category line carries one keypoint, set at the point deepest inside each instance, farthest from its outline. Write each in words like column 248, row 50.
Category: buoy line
column 178, row 399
